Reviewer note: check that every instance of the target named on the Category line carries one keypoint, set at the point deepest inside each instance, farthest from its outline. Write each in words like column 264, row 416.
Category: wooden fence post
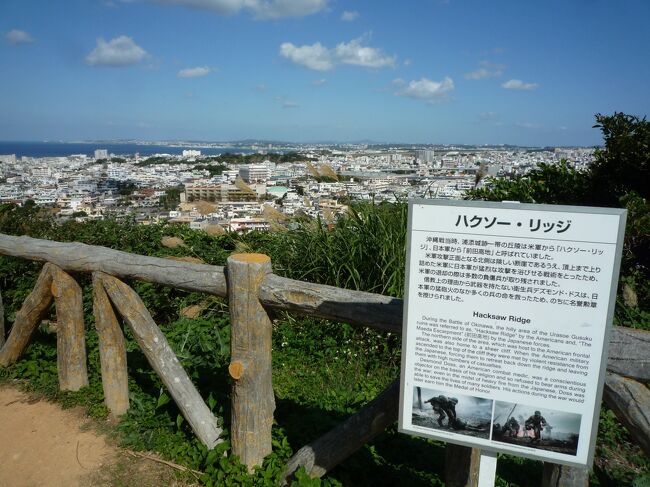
column 2, row 322
column 461, row 466
column 322, row 455
column 564, row 476
column 250, row 367
column 162, row 359
column 112, row 351
column 71, row 334
column 28, row 318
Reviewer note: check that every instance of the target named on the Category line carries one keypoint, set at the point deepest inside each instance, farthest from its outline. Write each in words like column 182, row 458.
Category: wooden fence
column 252, row 290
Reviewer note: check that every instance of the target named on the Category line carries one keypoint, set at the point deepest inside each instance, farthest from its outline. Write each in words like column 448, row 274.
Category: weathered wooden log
column 555, row 475
column 629, row 353
column 28, row 318
column 630, row 401
column 2, row 321
column 336, row 445
column 462, row 466
column 629, row 350
column 252, row 397
column 78, row 257
column 71, row 333
column 163, row 360
column 112, row 351
column 355, row 307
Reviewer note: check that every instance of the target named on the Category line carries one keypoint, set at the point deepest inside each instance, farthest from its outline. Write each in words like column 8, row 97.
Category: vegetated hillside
column 322, row 371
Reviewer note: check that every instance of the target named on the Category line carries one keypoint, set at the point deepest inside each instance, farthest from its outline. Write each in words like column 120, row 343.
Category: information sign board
column 507, row 314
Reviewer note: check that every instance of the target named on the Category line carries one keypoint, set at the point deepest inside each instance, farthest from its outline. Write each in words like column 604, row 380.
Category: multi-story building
column 255, row 173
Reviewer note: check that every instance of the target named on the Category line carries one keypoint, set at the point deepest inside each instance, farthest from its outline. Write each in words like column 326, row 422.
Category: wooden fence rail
column 251, row 289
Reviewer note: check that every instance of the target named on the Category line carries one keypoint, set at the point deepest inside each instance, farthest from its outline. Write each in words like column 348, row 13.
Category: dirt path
column 43, row 445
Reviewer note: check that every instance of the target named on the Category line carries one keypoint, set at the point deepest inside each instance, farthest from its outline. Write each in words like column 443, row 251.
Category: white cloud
column 121, row 51
column 407, row 62
column 320, row 58
column 277, row 9
column 15, row 36
column 349, row 16
column 261, row 88
column 316, row 56
column 290, row 104
column 194, row 72
column 319, row 82
column 261, row 9
column 517, row 84
column 486, row 70
column 369, row 57
column 425, row 89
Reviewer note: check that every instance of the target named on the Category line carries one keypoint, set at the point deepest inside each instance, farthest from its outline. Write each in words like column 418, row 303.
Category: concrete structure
column 255, row 173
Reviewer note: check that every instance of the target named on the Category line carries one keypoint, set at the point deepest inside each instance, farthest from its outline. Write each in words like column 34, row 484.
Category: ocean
column 58, row 149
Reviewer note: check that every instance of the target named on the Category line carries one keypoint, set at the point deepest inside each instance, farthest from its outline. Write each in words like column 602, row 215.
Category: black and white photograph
column 536, row 427
column 440, row 410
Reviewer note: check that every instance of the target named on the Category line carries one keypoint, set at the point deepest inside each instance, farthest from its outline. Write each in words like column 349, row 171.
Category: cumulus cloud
column 349, row 16
column 16, row 36
column 319, row 82
column 320, row 58
column 261, row 9
column 194, row 72
column 425, row 89
column 356, row 54
column 517, row 84
column 121, row 51
column 315, row 56
column 277, row 9
column 486, row 70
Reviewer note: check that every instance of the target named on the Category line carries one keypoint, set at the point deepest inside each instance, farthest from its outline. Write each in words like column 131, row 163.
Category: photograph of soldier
column 536, row 423
column 511, row 428
column 440, row 410
column 529, row 426
column 445, row 407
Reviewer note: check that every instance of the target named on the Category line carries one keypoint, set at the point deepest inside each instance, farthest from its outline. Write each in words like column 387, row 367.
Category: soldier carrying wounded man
column 444, row 407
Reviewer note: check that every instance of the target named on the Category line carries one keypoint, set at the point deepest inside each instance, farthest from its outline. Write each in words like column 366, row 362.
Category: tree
column 623, row 165
column 618, row 177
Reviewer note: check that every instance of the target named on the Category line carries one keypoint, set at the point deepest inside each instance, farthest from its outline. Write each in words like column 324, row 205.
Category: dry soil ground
column 42, row 445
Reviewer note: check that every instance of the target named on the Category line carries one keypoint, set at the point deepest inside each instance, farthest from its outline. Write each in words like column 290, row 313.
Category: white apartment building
column 101, row 154
column 255, row 173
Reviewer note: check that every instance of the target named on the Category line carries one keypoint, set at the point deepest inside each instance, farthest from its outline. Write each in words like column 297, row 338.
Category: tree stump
column 252, row 397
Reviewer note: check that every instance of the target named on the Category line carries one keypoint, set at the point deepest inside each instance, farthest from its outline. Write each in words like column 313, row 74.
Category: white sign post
column 506, row 328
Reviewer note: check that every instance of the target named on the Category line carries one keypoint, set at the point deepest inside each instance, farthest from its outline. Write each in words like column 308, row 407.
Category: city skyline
column 438, row 72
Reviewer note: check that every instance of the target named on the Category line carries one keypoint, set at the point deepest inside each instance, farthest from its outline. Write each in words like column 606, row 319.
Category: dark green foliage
column 558, row 184
column 623, row 166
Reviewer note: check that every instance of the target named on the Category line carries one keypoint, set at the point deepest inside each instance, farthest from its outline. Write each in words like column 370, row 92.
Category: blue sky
column 421, row 71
